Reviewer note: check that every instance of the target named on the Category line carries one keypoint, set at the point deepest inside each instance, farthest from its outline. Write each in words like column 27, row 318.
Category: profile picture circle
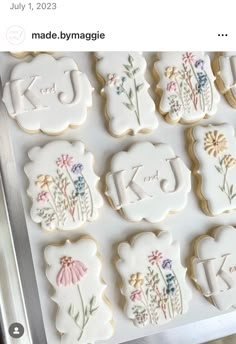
column 15, row 35
column 16, row 330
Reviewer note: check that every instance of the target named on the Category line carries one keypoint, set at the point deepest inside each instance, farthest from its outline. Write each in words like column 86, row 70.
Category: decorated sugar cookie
column 214, row 266
column 186, row 86
column 224, row 68
column 62, row 185
column 148, row 182
column 213, row 150
column 47, row 94
column 153, row 279
column 74, row 270
column 129, row 107
column 23, row 54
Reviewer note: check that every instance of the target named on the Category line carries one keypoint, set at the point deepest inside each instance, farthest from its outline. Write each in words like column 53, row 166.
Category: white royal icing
column 187, row 82
column 153, row 279
column 62, row 185
column 227, row 72
column 129, row 106
column 23, row 54
column 48, row 94
column 74, row 271
column 214, row 267
column 215, row 149
column 147, row 182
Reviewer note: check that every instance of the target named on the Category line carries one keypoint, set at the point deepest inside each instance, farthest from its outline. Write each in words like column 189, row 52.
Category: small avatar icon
column 16, row 330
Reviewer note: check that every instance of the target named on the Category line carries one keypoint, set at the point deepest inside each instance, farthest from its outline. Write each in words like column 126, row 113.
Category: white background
column 147, row 25
column 111, row 229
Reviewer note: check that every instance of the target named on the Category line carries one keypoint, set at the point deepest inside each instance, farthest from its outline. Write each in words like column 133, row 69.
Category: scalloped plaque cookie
column 148, row 182
column 186, row 86
column 48, row 94
column 129, row 107
column 214, row 267
column 213, row 151
column 62, row 185
column 224, row 68
column 74, row 270
column 153, row 279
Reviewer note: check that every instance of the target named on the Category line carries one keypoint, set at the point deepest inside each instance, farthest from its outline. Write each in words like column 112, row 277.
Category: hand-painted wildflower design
column 156, row 291
column 216, row 145
column 127, row 87
column 72, row 273
column 189, row 87
column 65, row 195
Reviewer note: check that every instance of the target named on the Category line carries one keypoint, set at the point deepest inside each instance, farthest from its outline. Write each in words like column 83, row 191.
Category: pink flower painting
column 172, row 87
column 72, row 271
column 43, row 197
column 81, row 311
column 65, row 161
column 155, row 258
column 189, row 58
column 136, row 295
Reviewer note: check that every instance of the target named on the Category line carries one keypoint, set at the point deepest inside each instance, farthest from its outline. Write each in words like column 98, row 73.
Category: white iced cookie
column 62, row 185
column 214, row 267
column 224, row 67
column 23, row 54
column 186, row 86
column 153, row 279
column 74, row 270
column 47, row 94
column 129, row 107
column 148, row 182
column 213, row 150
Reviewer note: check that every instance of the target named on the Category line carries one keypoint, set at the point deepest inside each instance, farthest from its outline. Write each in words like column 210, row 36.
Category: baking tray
column 203, row 322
